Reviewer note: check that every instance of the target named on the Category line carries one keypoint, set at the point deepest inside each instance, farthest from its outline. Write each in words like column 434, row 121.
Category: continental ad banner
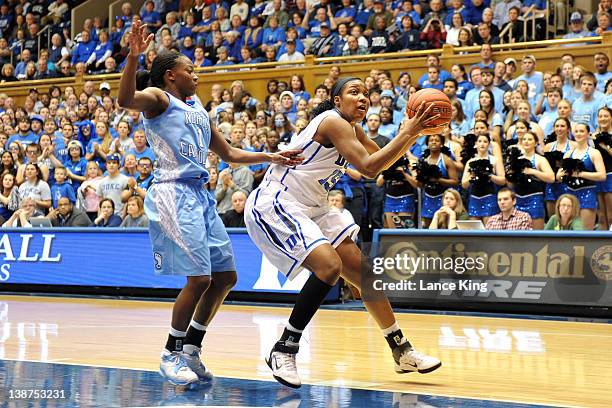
column 423, row 268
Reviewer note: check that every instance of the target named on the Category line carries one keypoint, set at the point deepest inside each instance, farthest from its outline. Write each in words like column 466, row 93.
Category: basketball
column 442, row 107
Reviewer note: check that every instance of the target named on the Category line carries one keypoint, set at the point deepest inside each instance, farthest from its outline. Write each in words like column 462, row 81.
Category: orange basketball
column 442, row 107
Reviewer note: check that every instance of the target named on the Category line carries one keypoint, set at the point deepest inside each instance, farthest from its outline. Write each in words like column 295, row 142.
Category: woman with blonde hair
column 99, row 147
column 135, row 216
column 452, row 210
column 567, row 215
column 21, row 217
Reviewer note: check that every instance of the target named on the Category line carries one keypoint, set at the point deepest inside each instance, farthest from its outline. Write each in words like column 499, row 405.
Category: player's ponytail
column 143, row 79
column 322, row 107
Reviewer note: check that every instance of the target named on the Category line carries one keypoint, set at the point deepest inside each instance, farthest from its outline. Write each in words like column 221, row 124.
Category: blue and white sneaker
column 191, row 354
column 174, row 368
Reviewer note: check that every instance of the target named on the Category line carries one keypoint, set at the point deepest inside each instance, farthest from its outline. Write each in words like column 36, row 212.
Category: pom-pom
column 469, row 147
column 515, row 165
column 554, row 158
column 571, row 167
column 481, row 171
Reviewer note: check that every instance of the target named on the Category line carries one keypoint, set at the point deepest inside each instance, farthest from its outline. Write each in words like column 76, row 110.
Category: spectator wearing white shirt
column 240, row 8
column 291, row 55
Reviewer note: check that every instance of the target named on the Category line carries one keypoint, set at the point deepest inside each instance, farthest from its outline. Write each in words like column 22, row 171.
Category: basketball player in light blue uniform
column 187, row 235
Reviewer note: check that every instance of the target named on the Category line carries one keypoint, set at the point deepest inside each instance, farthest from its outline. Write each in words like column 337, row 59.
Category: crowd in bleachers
column 79, row 159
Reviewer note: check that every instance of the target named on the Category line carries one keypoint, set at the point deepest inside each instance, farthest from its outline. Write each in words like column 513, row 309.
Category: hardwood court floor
column 503, row 359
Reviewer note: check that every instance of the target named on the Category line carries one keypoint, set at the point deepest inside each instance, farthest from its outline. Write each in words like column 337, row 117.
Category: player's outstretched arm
column 230, row 154
column 150, row 101
column 340, row 133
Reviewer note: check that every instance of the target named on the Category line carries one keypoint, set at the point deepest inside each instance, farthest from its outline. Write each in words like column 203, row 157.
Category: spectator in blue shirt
column 24, row 136
column 6, row 20
column 292, row 34
column 534, row 79
column 82, row 51
column 475, row 8
column 273, row 36
column 101, row 52
column 433, row 79
column 253, row 35
column 407, row 9
column 457, row 7
column 188, row 48
column 141, row 150
column 434, row 61
column 187, row 27
column 106, row 215
column 20, row 69
column 236, row 25
column 346, row 14
column 151, row 17
column 365, row 11
column 61, row 188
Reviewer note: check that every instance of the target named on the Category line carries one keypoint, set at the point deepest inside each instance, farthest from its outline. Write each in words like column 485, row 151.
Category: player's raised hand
column 287, row 158
column 136, row 38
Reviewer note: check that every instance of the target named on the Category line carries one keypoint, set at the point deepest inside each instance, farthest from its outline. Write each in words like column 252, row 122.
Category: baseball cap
column 290, row 41
column 529, row 57
column 105, row 85
column 113, row 157
column 510, row 61
column 575, row 17
column 324, row 25
column 387, row 94
column 38, row 118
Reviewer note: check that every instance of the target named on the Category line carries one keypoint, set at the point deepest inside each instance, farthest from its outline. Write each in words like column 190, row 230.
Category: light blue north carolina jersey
column 180, row 138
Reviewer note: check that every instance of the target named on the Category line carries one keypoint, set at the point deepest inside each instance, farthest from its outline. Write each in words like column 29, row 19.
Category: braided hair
column 164, row 61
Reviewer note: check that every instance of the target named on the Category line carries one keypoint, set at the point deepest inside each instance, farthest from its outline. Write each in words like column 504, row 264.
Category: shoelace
column 415, row 355
column 288, row 361
column 180, row 363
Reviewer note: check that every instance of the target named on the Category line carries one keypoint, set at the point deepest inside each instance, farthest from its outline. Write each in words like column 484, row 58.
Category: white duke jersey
column 310, row 181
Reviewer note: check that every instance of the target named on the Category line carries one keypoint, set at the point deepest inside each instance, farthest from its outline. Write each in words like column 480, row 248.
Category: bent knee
column 225, row 280
column 330, row 270
column 199, row 283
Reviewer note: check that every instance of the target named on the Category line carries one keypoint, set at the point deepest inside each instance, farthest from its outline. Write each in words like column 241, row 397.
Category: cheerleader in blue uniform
column 530, row 189
column 481, row 128
column 603, row 143
column 399, row 194
column 482, row 185
column 582, row 183
column 562, row 145
column 434, row 189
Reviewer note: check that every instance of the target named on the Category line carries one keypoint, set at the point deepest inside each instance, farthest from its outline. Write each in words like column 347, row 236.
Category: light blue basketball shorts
column 187, row 234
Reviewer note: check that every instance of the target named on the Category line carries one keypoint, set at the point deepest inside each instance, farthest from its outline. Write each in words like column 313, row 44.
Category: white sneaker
column 173, row 368
column 191, row 354
column 409, row 360
column 282, row 363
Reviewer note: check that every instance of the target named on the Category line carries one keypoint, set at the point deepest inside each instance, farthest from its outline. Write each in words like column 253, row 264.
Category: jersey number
column 329, row 182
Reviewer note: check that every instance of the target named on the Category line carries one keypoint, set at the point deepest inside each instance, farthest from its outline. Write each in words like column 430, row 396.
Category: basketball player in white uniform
column 289, row 220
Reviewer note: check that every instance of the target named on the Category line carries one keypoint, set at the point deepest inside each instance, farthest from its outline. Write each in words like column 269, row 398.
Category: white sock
column 177, row 333
column 293, row 329
column 198, row 326
column 394, row 327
